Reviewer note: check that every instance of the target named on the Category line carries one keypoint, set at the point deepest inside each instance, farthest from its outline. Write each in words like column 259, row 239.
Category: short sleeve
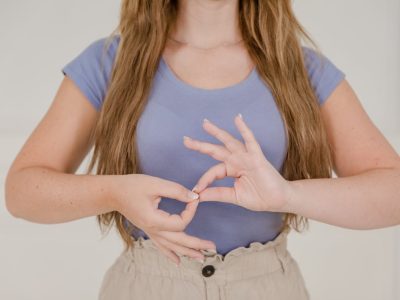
column 324, row 75
column 90, row 70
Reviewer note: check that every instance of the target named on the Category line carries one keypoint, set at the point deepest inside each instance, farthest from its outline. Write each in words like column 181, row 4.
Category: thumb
column 220, row 194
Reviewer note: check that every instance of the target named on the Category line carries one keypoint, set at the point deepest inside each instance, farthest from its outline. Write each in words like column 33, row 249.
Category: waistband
column 240, row 263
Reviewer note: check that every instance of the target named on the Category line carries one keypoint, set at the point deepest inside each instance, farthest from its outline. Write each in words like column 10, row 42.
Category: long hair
column 272, row 35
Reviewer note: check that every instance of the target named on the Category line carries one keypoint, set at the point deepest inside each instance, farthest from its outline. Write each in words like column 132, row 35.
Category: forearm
column 43, row 195
column 364, row 201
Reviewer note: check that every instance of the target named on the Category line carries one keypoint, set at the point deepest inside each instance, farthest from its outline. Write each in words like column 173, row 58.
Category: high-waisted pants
column 259, row 271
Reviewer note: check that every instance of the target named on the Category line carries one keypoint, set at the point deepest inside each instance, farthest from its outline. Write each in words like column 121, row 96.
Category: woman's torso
column 176, row 108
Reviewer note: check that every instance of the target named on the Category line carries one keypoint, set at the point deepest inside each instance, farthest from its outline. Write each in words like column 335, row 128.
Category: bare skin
column 366, row 194
column 58, row 195
column 52, row 193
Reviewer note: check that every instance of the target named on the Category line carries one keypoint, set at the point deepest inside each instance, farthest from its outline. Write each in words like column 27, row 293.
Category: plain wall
column 68, row 261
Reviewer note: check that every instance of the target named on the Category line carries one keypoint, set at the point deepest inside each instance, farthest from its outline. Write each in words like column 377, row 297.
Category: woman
column 217, row 97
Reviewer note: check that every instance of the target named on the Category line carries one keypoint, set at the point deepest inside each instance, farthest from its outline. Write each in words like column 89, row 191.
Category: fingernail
column 195, row 188
column 186, row 137
column 240, row 115
column 212, row 250
column 206, row 120
column 192, row 195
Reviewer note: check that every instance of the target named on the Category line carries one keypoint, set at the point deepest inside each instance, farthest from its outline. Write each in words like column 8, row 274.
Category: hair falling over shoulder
column 272, row 35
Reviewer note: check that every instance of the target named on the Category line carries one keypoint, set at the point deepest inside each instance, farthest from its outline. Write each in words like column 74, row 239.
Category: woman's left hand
column 258, row 185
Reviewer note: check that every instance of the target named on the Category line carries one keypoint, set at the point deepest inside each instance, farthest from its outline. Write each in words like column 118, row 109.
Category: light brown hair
column 272, row 36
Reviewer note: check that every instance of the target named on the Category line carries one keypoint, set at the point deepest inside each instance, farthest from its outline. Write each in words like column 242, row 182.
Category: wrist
column 114, row 187
column 119, row 188
column 292, row 193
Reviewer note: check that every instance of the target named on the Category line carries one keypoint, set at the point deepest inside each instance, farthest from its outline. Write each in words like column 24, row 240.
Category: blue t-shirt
column 176, row 108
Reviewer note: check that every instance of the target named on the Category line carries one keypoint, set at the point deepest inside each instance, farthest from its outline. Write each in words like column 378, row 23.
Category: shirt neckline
column 230, row 89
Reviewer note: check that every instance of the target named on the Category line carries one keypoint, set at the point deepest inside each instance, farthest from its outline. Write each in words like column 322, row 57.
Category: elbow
column 12, row 210
column 10, row 198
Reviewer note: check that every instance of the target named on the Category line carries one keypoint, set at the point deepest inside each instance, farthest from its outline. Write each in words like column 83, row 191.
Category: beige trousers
column 259, row 271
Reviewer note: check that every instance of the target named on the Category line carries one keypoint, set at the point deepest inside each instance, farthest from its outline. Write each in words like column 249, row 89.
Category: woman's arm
column 42, row 195
column 366, row 193
column 40, row 185
column 363, row 201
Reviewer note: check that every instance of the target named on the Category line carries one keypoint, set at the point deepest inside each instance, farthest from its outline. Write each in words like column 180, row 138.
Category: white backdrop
column 68, row 261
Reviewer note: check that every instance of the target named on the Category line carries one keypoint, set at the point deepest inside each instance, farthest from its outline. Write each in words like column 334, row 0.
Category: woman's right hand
column 137, row 197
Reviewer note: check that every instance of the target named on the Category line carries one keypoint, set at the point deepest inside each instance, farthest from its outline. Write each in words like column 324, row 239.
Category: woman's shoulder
column 101, row 50
column 324, row 74
column 90, row 68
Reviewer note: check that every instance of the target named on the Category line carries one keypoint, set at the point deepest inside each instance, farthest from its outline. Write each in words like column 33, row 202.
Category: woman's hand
column 137, row 197
column 258, row 185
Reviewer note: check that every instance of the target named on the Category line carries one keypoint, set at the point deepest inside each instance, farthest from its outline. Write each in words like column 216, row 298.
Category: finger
column 174, row 190
column 170, row 254
column 248, row 136
column 215, row 172
column 175, row 222
column 220, row 194
column 182, row 250
column 187, row 240
column 231, row 143
column 188, row 213
column 217, row 152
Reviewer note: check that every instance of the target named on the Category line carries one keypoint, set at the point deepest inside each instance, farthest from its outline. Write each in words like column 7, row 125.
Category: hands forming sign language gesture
column 258, row 185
